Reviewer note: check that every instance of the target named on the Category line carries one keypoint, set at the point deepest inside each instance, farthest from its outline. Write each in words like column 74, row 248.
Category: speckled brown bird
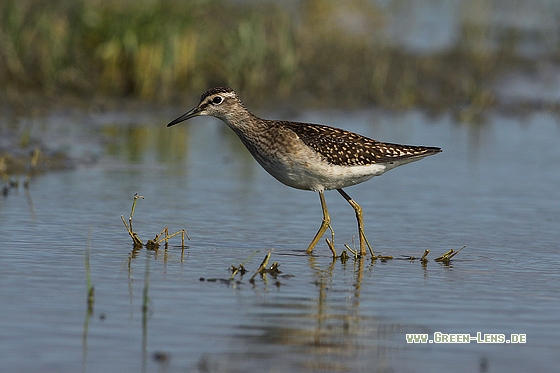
column 308, row 156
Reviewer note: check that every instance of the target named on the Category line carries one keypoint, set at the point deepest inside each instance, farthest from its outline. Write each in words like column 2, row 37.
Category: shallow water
column 494, row 189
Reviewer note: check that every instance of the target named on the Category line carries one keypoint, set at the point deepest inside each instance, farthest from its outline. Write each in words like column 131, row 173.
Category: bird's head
column 217, row 102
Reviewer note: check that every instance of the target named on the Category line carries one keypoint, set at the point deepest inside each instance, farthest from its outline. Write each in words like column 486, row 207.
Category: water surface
column 494, row 189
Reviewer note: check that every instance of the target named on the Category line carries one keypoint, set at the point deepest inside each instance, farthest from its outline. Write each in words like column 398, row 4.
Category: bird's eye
column 217, row 100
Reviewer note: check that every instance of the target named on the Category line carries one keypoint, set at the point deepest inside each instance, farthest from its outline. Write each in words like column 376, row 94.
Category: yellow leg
column 358, row 209
column 324, row 224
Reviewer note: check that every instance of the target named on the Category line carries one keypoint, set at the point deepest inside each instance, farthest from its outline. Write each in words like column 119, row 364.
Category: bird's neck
column 243, row 120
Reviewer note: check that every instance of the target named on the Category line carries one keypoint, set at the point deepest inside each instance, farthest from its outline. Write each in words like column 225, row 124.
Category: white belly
column 312, row 173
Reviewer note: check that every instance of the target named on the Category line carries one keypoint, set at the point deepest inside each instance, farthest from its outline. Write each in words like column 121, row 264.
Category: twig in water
column 262, row 267
column 383, row 258
column 448, row 255
column 424, row 258
column 235, row 270
column 135, row 239
column 330, row 243
column 344, row 257
column 353, row 251
column 136, row 196
column 166, row 236
column 273, row 270
column 241, row 269
column 412, row 257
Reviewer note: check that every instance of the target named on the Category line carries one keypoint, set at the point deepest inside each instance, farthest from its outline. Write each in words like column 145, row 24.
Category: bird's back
column 345, row 148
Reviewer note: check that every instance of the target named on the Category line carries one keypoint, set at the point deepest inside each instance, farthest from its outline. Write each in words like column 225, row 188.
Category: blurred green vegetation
column 162, row 50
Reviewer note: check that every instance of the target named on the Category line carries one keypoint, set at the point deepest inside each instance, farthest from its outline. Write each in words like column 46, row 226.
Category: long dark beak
column 194, row 112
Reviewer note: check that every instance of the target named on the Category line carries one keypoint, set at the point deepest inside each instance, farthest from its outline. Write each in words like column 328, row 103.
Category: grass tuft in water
column 154, row 243
column 89, row 284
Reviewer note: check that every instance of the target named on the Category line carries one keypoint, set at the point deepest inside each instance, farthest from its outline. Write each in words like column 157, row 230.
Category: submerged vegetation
column 154, row 243
column 318, row 52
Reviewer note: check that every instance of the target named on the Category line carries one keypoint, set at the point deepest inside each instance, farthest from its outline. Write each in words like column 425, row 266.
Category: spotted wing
column 346, row 148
